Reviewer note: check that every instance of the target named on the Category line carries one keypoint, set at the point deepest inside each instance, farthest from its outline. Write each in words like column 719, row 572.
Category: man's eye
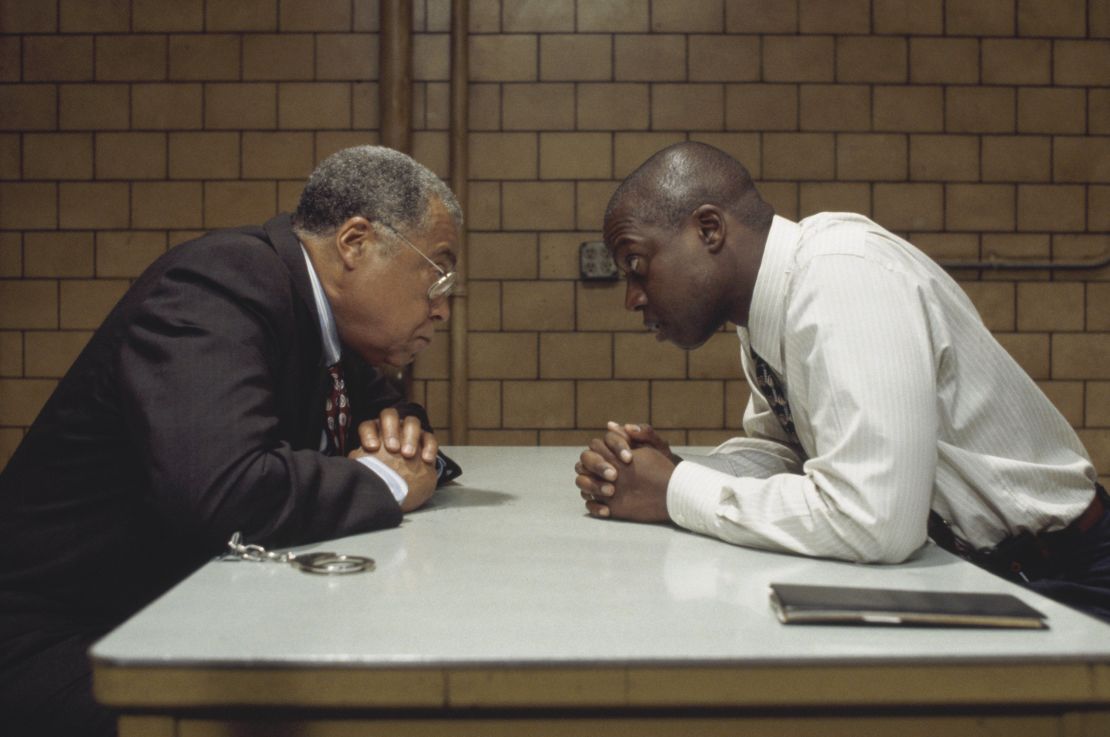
column 632, row 264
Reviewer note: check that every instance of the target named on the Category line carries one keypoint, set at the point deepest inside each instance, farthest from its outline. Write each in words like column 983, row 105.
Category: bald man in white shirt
column 882, row 410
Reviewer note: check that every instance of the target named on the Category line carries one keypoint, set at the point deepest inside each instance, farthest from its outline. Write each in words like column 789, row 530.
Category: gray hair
column 375, row 182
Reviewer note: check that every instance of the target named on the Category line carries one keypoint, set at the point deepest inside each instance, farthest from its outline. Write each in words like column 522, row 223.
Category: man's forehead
column 627, row 225
column 443, row 236
column 620, row 220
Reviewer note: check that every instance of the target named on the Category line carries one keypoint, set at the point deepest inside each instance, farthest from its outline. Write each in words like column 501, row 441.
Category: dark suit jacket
column 195, row 411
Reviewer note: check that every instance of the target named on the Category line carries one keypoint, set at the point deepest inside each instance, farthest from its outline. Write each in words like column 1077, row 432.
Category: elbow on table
column 888, row 545
column 872, row 528
column 246, row 494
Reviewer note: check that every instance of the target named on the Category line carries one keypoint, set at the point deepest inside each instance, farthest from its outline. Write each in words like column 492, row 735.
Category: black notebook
column 803, row 604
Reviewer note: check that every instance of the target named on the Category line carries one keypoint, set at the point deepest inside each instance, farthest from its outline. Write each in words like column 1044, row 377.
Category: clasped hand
column 407, row 448
column 624, row 474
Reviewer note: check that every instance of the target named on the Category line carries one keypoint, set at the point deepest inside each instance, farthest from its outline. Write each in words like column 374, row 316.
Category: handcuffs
column 322, row 563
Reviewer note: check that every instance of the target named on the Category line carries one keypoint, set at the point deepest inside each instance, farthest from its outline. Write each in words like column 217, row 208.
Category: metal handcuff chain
column 321, row 563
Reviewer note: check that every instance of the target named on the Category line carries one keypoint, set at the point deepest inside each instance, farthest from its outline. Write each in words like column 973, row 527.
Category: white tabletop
column 505, row 568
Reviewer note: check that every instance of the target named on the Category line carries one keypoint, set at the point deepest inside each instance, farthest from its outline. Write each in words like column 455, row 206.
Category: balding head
column 669, row 186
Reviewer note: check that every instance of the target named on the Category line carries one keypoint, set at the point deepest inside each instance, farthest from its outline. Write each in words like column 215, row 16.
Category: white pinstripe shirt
column 901, row 399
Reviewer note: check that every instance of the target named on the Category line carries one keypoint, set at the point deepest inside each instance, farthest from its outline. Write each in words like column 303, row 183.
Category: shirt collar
column 765, row 318
column 327, row 321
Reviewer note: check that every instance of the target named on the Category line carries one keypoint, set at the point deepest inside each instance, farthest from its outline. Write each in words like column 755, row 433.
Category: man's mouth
column 657, row 328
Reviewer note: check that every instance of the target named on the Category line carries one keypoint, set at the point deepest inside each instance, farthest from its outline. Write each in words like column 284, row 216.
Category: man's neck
column 748, row 255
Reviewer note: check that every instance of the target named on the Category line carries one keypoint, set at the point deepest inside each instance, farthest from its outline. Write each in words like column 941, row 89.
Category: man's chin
column 687, row 343
column 394, row 361
column 395, row 357
column 406, row 356
column 398, row 362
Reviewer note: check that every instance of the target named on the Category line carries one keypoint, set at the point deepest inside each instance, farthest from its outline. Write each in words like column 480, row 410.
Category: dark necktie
column 775, row 395
column 337, row 412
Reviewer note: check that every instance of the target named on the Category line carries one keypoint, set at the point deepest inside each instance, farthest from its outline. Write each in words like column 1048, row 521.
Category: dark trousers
column 1080, row 575
column 48, row 692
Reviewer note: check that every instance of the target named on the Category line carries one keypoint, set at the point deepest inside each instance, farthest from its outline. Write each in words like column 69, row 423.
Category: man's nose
column 634, row 297
column 440, row 309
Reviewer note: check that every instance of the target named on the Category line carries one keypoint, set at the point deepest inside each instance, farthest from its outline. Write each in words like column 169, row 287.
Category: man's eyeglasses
column 441, row 287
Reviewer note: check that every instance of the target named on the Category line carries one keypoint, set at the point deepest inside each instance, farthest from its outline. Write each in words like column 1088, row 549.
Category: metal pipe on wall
column 395, row 85
column 1100, row 261
column 395, row 102
column 458, row 388
column 395, row 97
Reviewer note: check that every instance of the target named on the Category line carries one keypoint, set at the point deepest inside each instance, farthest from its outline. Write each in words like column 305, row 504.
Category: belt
column 1024, row 556
column 1092, row 514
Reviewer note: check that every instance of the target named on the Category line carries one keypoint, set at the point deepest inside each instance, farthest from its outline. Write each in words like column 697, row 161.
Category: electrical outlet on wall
column 595, row 263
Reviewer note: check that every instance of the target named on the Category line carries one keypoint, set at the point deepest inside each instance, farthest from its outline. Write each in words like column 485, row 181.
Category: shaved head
column 669, row 186
column 688, row 229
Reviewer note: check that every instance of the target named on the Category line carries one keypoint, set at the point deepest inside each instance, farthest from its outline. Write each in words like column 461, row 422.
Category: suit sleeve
column 200, row 368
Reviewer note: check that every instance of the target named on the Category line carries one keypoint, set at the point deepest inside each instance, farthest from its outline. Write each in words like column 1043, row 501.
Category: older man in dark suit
column 216, row 398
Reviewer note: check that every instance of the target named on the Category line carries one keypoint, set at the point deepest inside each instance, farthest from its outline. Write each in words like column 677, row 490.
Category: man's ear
column 710, row 222
column 354, row 240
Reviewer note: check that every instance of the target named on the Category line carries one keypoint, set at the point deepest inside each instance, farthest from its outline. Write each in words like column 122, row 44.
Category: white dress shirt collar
column 328, row 330
column 766, row 315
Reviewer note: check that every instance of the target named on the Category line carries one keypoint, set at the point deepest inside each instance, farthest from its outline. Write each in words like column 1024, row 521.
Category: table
column 503, row 609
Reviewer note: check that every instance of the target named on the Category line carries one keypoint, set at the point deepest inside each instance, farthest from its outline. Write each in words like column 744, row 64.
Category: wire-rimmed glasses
column 442, row 287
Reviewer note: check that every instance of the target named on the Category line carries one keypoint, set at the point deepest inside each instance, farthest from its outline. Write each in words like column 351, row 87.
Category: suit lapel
column 280, row 233
column 316, row 410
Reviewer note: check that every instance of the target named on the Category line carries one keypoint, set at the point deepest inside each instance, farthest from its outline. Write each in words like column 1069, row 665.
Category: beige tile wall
column 978, row 128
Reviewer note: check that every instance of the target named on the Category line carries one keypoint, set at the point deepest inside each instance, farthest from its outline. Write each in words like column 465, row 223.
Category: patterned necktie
column 775, row 395
column 337, row 412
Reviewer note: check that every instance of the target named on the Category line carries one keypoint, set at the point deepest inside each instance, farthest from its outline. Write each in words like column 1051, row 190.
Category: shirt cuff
column 716, row 462
column 397, row 485
column 693, row 497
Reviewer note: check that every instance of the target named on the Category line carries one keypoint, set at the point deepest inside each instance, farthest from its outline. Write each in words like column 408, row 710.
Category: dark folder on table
column 804, row 604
